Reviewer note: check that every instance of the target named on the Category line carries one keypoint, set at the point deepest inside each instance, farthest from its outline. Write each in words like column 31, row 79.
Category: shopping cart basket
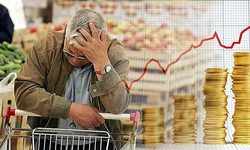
column 66, row 139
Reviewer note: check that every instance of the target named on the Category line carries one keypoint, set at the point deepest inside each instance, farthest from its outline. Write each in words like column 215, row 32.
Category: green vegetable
column 3, row 47
column 12, row 47
column 1, row 61
column 19, row 51
column 17, row 61
column 16, row 70
column 8, row 53
column 11, row 57
column 6, row 60
column 10, row 65
column 2, row 73
column 5, row 43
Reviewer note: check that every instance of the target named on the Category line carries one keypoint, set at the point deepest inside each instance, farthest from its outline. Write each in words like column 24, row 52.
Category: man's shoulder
column 52, row 40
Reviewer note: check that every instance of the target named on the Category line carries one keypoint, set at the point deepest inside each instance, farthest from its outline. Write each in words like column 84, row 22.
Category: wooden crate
column 28, row 41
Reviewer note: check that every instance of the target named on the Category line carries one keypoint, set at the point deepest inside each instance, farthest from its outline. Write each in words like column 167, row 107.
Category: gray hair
column 80, row 20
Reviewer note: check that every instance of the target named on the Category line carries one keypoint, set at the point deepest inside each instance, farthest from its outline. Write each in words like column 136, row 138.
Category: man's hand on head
column 94, row 47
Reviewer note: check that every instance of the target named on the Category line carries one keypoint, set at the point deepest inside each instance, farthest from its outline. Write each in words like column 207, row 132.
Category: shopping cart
column 66, row 139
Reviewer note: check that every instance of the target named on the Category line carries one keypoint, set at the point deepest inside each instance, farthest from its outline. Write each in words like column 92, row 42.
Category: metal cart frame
column 66, row 139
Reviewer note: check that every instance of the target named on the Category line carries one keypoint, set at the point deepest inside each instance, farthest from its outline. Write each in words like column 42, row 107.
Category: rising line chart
column 215, row 35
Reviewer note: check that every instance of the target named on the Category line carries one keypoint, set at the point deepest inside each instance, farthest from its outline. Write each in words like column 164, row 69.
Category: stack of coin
column 153, row 123
column 215, row 106
column 184, row 131
column 241, row 90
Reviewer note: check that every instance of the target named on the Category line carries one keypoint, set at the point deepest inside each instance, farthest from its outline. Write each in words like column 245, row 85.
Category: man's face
column 72, row 55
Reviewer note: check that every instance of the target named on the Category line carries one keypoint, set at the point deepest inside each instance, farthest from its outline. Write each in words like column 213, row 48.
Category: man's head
column 80, row 20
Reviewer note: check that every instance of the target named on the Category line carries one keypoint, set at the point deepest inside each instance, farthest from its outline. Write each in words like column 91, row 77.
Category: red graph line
column 128, row 87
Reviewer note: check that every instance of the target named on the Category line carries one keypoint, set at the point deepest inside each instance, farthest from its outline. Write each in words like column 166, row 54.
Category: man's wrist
column 105, row 70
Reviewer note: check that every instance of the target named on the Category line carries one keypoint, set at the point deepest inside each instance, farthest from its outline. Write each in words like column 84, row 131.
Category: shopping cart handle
column 133, row 116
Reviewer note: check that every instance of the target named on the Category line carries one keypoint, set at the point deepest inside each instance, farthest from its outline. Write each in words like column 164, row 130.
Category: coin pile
column 184, row 131
column 215, row 106
column 241, row 90
column 153, row 123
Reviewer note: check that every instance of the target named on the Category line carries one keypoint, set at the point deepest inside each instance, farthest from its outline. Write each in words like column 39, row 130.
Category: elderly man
column 74, row 75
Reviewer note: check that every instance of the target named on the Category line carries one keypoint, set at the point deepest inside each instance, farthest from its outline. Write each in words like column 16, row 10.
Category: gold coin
column 154, row 129
column 240, row 54
column 184, row 142
column 240, row 88
column 216, row 76
column 213, row 92
column 215, row 142
column 152, row 133
column 242, row 101
column 239, row 82
column 238, row 63
column 224, row 96
column 240, row 77
column 241, row 137
column 241, row 140
column 153, row 116
column 216, row 130
column 214, row 83
column 212, row 135
column 184, row 138
column 183, row 111
column 211, row 116
column 212, row 88
column 241, row 143
column 151, row 123
column 221, row 109
column 215, row 104
column 186, row 97
column 218, row 73
column 216, row 101
column 242, row 85
column 243, row 59
column 211, row 126
column 242, row 132
column 242, row 108
column 153, row 109
column 215, row 122
column 153, row 137
column 153, row 142
column 216, row 70
column 184, row 133
column 241, row 116
column 242, row 94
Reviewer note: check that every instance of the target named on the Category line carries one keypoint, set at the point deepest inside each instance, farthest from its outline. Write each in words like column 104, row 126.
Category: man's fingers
column 96, row 110
column 96, row 123
column 100, row 119
column 85, row 34
column 93, row 30
column 103, row 36
column 81, row 40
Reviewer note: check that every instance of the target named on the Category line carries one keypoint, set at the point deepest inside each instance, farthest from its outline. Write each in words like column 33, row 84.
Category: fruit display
column 11, row 59
column 139, row 36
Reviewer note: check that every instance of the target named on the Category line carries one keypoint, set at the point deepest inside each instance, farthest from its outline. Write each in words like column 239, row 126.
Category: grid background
column 228, row 19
